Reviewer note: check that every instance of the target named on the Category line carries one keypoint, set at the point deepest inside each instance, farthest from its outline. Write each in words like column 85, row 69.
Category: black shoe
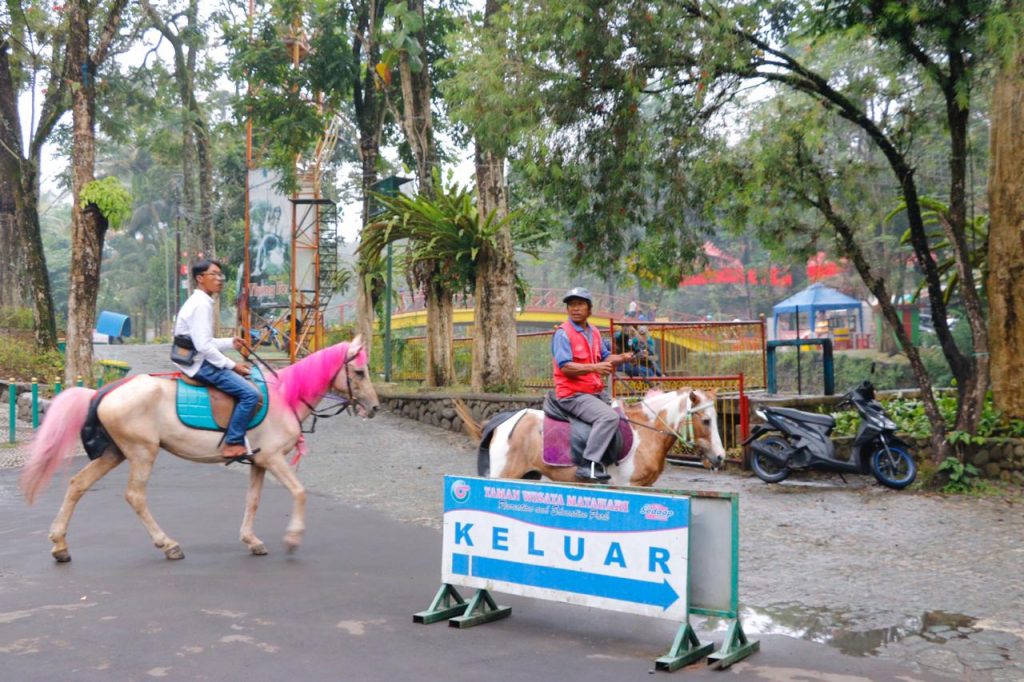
column 592, row 472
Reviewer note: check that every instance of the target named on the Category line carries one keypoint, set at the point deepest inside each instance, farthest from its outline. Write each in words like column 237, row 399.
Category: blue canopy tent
column 114, row 325
column 815, row 298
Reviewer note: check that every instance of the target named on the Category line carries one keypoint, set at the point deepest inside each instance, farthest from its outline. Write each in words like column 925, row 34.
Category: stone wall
column 1001, row 459
column 437, row 409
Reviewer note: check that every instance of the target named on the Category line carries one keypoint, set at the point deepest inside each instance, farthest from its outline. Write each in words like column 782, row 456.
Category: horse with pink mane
column 140, row 418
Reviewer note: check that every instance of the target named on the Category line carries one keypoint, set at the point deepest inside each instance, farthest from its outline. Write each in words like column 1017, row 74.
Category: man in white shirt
column 210, row 366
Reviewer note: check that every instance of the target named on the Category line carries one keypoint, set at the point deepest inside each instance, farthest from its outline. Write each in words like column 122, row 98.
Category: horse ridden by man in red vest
column 580, row 362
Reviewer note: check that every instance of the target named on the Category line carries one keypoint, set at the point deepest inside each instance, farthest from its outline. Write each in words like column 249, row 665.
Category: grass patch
column 20, row 359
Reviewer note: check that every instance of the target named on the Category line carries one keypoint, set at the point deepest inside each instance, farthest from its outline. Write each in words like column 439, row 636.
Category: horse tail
column 56, row 439
column 469, row 423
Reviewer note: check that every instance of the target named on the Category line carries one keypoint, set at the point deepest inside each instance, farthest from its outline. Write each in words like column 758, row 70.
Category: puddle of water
column 843, row 631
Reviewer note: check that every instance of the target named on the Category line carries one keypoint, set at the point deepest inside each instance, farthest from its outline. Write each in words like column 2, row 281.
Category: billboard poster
column 270, row 227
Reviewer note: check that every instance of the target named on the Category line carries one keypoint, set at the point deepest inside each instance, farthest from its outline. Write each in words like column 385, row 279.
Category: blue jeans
column 236, row 386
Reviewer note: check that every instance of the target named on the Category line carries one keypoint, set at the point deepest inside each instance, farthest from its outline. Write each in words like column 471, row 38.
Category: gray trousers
column 595, row 410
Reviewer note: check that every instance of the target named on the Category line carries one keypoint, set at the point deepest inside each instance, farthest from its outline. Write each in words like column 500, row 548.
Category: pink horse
column 140, row 417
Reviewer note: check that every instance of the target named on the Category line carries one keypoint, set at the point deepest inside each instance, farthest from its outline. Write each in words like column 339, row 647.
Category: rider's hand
column 604, row 368
column 237, row 342
column 242, row 368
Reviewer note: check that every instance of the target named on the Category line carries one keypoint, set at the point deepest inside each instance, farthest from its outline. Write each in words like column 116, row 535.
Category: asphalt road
column 338, row 609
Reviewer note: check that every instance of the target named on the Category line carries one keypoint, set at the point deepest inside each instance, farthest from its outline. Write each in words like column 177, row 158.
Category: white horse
column 658, row 422
column 140, row 417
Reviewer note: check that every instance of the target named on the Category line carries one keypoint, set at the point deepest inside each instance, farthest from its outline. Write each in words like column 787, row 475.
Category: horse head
column 353, row 380
column 704, row 417
column 691, row 415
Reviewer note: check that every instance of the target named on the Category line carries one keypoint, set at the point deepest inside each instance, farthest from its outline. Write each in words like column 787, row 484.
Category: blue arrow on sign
column 593, row 584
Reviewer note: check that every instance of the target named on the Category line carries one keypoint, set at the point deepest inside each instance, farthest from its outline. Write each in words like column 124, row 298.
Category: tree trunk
column 369, row 110
column 369, row 148
column 13, row 290
column 494, row 336
column 1006, row 239
column 417, row 122
column 88, row 227
column 440, row 369
column 417, row 117
column 876, row 284
column 20, row 173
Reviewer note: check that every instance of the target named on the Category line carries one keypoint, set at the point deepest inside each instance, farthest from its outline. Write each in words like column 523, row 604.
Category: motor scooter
column 805, row 443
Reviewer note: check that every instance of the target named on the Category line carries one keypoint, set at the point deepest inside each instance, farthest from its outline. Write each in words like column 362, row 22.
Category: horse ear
column 694, row 398
column 355, row 346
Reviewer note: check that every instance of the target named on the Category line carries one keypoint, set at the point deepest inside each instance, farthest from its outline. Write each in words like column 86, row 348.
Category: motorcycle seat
column 805, row 417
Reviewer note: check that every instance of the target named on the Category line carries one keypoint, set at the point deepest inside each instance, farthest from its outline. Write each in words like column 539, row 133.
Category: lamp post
column 388, row 187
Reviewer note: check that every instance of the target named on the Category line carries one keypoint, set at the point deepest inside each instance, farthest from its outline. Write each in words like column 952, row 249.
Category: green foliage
column 910, row 419
column 112, row 198
column 963, row 477
column 290, row 105
column 16, row 318
column 445, row 233
column 402, row 38
column 937, row 218
column 20, row 359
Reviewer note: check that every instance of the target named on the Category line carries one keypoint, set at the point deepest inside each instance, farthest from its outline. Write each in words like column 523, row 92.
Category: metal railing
column 697, row 348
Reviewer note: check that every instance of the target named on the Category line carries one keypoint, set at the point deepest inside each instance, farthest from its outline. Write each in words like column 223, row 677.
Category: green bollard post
column 56, row 387
column 79, row 382
column 35, row 403
column 12, row 400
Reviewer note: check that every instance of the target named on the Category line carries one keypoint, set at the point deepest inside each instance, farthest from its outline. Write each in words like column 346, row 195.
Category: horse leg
column 80, row 482
column 141, row 468
column 252, row 503
column 283, row 473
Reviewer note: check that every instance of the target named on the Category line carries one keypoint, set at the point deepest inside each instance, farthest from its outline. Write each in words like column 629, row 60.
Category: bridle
column 343, row 403
column 687, row 436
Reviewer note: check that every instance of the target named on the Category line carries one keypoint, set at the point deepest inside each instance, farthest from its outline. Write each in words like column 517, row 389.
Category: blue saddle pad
column 193, row 404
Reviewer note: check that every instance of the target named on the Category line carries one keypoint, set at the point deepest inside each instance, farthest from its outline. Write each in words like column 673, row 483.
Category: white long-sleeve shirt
column 195, row 319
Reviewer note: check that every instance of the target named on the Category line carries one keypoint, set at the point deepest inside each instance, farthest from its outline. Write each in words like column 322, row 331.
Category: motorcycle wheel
column 767, row 469
column 897, row 471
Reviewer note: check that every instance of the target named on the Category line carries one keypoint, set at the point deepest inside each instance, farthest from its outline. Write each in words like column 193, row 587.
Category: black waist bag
column 183, row 351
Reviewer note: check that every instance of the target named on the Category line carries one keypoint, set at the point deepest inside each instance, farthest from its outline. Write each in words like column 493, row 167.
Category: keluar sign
column 664, row 553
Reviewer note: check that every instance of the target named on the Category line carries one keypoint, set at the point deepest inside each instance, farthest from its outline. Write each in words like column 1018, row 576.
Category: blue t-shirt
column 561, row 349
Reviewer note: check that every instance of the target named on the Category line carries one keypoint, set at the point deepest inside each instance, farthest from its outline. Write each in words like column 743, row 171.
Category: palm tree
column 445, row 236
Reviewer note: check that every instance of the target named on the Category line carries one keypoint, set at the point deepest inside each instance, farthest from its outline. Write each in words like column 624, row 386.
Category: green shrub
column 20, row 359
column 16, row 318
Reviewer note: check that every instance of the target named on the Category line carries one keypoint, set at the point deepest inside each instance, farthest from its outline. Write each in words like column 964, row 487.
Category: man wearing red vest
column 580, row 362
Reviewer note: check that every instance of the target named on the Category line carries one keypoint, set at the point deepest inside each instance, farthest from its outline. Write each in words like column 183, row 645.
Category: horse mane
column 307, row 380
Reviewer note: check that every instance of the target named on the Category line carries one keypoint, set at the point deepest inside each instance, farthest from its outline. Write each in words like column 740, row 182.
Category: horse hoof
column 259, row 550
column 174, row 553
column 291, row 544
column 62, row 556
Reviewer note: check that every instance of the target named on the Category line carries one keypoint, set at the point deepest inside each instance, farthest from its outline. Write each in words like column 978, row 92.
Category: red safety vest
column 583, row 353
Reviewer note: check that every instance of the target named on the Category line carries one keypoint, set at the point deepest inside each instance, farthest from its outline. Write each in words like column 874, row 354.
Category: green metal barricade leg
column 735, row 648
column 447, row 604
column 685, row 650
column 481, row 609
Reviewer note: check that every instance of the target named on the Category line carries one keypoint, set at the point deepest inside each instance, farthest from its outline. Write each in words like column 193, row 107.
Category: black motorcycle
column 805, row 443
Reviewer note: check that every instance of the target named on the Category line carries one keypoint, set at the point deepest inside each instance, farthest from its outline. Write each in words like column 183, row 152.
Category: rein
column 344, row 404
column 685, row 438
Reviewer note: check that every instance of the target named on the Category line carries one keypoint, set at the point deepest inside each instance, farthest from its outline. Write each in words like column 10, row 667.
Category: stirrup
column 596, row 472
column 247, row 458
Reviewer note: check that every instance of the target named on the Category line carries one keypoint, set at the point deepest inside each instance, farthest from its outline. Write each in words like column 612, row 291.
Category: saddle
column 565, row 437
column 201, row 406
